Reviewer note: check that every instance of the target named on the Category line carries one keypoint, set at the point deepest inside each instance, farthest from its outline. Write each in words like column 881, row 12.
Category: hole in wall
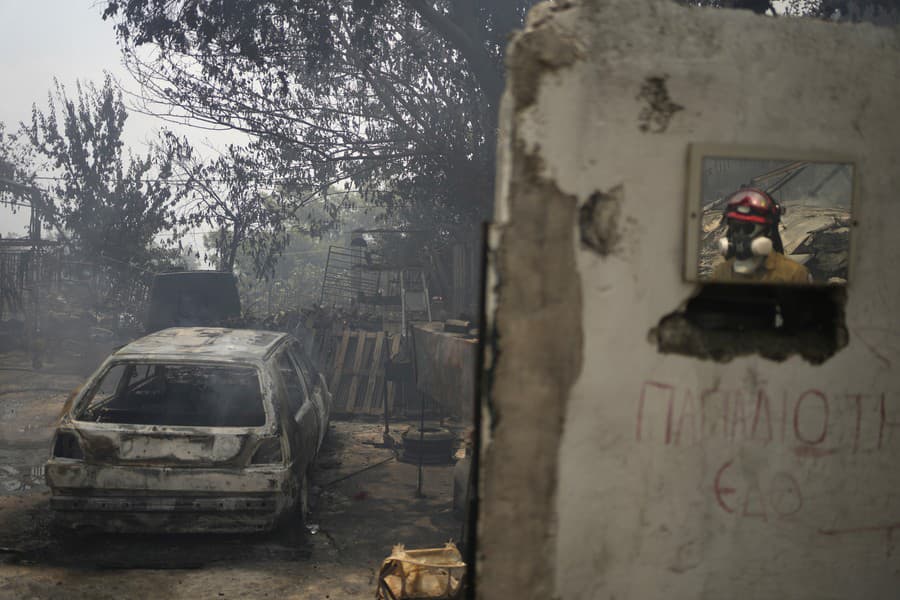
column 721, row 322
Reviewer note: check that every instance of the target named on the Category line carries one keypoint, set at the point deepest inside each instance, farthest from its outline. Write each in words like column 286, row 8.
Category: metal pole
column 421, row 442
column 403, row 304
column 325, row 277
column 384, row 392
column 427, row 297
column 35, row 235
column 419, row 473
column 3, row 285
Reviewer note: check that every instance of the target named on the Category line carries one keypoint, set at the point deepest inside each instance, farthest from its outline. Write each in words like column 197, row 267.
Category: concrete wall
column 613, row 471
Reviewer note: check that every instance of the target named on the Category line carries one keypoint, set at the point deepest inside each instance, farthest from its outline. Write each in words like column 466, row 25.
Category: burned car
column 191, row 429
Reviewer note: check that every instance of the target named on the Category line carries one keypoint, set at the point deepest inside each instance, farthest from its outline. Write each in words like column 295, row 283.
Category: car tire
column 430, row 445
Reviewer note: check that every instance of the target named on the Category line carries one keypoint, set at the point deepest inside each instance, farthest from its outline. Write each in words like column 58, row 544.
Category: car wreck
column 191, row 429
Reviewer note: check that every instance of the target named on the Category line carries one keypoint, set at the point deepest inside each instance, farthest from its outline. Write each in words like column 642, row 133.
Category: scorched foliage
column 394, row 98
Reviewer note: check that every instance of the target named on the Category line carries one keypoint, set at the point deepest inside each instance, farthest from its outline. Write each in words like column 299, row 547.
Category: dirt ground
column 359, row 517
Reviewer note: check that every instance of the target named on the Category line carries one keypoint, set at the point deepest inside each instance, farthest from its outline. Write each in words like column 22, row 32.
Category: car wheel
column 429, row 444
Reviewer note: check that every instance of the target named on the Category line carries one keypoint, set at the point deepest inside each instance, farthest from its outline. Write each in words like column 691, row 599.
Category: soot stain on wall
column 659, row 107
column 598, row 221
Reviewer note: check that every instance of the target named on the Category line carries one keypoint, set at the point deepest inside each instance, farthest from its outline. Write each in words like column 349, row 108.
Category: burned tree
column 396, row 99
column 107, row 205
column 237, row 199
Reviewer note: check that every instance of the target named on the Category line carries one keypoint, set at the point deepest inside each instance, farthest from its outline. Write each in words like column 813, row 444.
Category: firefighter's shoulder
column 790, row 271
column 722, row 271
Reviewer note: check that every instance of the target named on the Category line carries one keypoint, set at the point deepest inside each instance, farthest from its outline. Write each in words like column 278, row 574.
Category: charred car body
column 191, row 429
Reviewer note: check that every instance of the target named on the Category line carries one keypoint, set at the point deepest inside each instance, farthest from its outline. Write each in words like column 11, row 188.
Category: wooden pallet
column 356, row 375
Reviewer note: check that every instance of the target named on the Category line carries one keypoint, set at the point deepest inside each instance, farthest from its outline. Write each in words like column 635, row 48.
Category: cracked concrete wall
column 610, row 470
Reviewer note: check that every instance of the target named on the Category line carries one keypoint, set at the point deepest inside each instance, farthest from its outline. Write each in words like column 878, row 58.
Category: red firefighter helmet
column 752, row 206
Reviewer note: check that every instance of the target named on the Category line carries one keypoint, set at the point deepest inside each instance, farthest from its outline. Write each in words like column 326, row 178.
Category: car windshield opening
column 176, row 394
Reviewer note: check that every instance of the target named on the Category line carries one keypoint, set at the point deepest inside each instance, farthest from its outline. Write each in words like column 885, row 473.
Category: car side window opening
column 295, row 387
column 178, row 395
column 302, row 366
column 108, row 386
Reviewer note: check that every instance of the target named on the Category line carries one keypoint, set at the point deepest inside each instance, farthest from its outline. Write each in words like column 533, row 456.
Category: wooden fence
column 356, row 374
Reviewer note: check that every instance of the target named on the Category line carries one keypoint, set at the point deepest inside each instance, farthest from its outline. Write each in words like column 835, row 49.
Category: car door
column 303, row 417
column 315, row 383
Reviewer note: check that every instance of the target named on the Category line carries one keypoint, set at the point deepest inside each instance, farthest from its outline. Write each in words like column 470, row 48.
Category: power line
column 14, row 203
column 175, row 233
column 186, row 181
column 148, row 180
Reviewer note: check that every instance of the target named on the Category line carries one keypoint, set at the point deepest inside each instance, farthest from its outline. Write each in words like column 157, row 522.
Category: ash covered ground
column 359, row 518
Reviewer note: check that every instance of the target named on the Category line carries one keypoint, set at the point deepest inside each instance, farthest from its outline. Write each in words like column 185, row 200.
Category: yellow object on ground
column 431, row 573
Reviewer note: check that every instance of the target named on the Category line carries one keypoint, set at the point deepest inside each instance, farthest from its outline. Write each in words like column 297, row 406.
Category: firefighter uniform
column 777, row 268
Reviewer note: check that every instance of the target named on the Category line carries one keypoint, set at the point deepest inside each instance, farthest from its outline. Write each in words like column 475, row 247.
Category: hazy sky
column 68, row 39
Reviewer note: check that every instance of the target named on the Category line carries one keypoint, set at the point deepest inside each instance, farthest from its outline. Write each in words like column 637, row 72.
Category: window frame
column 304, row 388
column 78, row 408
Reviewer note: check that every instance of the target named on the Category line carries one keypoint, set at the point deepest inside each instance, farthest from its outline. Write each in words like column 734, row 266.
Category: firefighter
column 752, row 246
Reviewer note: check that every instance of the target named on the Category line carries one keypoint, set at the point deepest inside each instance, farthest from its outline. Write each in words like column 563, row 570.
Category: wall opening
column 721, row 322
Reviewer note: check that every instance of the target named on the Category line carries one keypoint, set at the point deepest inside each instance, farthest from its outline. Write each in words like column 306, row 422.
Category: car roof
column 207, row 343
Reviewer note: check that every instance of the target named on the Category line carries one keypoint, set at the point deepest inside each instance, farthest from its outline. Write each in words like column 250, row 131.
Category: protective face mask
column 745, row 243
column 761, row 246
